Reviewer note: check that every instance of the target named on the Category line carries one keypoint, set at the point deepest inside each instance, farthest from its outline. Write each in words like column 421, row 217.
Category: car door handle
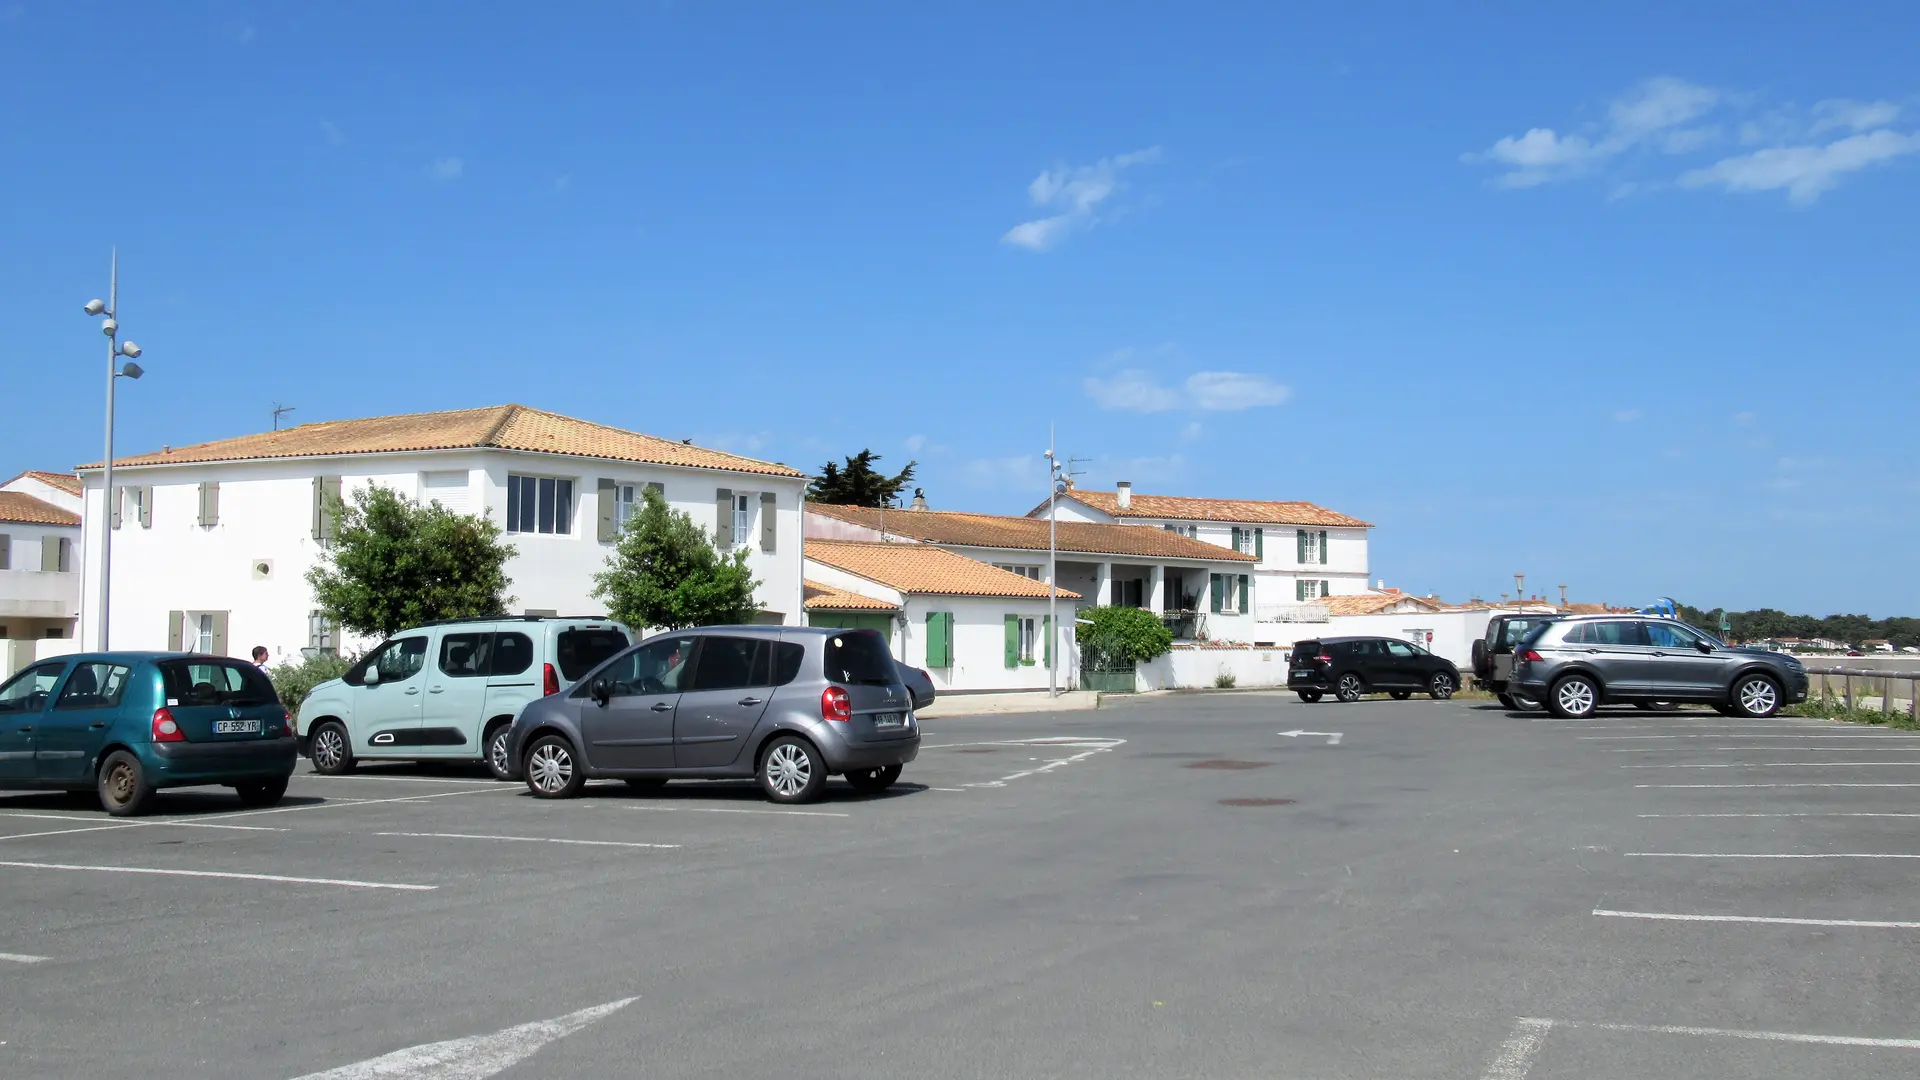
column 662, row 706
column 26, row 729
column 1593, row 650
column 438, row 690
column 1657, row 652
column 413, row 689
column 751, row 700
column 95, row 727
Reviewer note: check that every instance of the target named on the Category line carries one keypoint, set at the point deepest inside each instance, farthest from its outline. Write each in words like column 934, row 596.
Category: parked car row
column 550, row 702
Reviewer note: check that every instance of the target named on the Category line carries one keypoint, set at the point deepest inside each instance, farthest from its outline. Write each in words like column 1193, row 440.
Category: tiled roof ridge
column 24, row 509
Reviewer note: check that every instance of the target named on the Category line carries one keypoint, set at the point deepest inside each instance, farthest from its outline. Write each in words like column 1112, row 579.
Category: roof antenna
column 1074, row 470
column 279, row 411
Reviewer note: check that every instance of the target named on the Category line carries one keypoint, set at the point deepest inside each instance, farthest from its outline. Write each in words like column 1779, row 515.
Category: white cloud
column 1006, row 472
column 1074, row 193
column 1627, row 416
column 913, row 443
column 335, row 137
column 1650, row 113
column 1853, row 115
column 1135, row 390
column 1658, row 105
column 1192, row 432
column 447, row 168
column 1803, row 171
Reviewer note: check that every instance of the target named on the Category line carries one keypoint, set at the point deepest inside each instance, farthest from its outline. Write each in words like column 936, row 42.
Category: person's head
column 259, row 654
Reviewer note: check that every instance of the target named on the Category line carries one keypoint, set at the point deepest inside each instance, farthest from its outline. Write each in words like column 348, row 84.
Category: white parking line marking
column 731, row 810
column 1769, row 920
column 358, row 802
column 407, row 779
column 1784, row 765
column 1835, row 735
column 1777, row 815
column 67, row 832
column 21, row 958
column 475, row 1057
column 1696, row 786
column 1764, row 749
column 228, row 875
column 1750, row 855
column 525, row 839
column 1730, row 1033
column 1515, row 1057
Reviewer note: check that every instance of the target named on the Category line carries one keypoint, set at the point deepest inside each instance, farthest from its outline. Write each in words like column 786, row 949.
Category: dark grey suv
column 1578, row 664
column 789, row 706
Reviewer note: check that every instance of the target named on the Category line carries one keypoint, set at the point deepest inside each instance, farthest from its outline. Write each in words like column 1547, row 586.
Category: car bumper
column 183, row 763
column 1309, row 682
column 870, row 755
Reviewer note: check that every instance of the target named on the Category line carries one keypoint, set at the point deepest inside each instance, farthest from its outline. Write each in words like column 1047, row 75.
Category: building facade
column 212, row 542
column 40, row 569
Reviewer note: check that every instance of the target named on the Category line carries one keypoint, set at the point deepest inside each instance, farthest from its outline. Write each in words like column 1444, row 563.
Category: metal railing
column 1820, row 683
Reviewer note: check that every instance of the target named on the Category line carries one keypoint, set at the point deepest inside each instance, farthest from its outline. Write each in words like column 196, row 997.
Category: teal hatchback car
column 124, row 724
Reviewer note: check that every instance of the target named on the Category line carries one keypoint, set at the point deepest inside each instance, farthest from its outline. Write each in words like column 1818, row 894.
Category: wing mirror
column 1703, row 646
column 601, row 691
column 372, row 675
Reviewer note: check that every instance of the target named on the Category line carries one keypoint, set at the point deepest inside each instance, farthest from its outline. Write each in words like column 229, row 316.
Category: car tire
column 1526, row 703
column 330, row 749
column 791, row 770
column 553, row 769
column 1574, row 698
column 124, row 788
column 1349, row 688
column 1756, row 696
column 495, row 742
column 873, row 781
column 645, row 785
column 1399, row 695
column 1507, row 702
column 1440, row 687
column 1309, row 696
column 261, row 792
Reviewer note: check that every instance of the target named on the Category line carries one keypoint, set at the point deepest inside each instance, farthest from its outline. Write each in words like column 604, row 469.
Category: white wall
column 266, row 512
column 979, row 643
column 1454, row 632
column 1197, row 668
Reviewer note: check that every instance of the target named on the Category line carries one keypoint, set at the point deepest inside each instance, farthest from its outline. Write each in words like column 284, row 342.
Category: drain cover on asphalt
column 1228, row 763
column 1256, row 802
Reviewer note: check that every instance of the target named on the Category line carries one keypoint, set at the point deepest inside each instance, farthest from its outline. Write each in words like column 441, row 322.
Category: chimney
column 919, row 499
column 1123, row 494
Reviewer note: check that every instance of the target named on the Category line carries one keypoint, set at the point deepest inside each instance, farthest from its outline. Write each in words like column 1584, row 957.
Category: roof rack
column 514, row 618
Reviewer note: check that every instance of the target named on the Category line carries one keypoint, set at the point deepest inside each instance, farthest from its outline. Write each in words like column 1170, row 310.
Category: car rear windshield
column 1305, row 650
column 583, row 650
column 1515, row 630
column 215, row 682
column 859, row 657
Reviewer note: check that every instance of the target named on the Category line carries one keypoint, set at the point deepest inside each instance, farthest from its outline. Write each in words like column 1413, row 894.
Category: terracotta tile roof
column 1180, row 507
column 827, row 598
column 1373, row 603
column 66, row 482
column 923, row 568
column 1030, row 534
column 24, row 509
column 507, row 427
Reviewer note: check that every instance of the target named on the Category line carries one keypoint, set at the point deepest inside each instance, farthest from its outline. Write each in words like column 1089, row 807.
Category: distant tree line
column 1769, row 623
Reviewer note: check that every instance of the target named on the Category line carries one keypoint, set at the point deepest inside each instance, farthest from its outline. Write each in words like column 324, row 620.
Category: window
column 1422, row 639
column 1400, row 650
column 1308, row 590
column 623, row 505
column 1668, row 635
column 1312, row 546
column 1128, row 593
column 93, row 686
column 732, row 663
column 1189, row 531
column 321, row 634
column 216, row 682
column 658, row 667
column 451, row 489
column 742, row 519
column 1031, row 572
column 539, row 504
column 466, row 656
column 859, row 657
column 398, row 660
column 581, row 650
column 203, row 632
column 1516, row 629
column 136, row 504
column 27, row 691
column 787, row 656
column 1027, row 638
column 513, row 653
column 1607, row 633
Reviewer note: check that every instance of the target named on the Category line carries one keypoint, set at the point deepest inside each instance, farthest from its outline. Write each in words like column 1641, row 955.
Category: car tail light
column 165, row 728
column 1325, row 658
column 549, row 679
column 835, row 705
column 286, row 722
column 1530, row 656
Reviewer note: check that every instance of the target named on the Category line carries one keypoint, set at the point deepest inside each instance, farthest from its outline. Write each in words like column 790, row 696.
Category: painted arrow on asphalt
column 1333, row 737
column 473, row 1058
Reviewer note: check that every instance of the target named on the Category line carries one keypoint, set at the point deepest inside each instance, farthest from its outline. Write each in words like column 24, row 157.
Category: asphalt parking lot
column 1165, row 887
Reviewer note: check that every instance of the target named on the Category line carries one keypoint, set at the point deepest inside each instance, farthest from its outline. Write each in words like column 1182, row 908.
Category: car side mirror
column 601, row 691
column 1703, row 646
column 372, row 674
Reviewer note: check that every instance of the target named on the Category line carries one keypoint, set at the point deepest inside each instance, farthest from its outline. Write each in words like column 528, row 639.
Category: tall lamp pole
column 1053, row 571
column 115, row 371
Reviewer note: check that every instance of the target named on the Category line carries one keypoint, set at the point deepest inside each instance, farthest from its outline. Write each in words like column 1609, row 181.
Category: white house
column 1200, row 590
column 1301, row 552
column 212, row 542
column 970, row 625
column 39, row 556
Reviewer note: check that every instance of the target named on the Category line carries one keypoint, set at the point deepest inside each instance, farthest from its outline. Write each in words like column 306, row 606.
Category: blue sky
column 1622, row 299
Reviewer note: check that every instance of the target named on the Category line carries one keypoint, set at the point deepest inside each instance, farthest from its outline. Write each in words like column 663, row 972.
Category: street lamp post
column 115, row 371
column 1053, row 574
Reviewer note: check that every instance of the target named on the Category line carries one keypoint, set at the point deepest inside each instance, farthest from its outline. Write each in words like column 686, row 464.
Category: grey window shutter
column 769, row 520
column 1323, row 547
column 319, row 508
column 146, row 506
column 115, row 503
column 6, row 552
column 219, row 633
column 723, row 518
column 609, row 498
column 66, row 555
column 50, row 553
column 176, row 627
column 210, row 502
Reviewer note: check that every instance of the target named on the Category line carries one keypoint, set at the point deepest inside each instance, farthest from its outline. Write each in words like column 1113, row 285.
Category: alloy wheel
column 329, row 748
column 1442, row 686
column 497, row 752
column 1575, row 697
column 1757, row 697
column 788, row 770
column 550, row 767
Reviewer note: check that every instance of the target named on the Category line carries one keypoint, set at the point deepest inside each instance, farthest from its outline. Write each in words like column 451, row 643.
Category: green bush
column 296, row 681
column 1826, row 708
column 1225, row 681
column 1118, row 636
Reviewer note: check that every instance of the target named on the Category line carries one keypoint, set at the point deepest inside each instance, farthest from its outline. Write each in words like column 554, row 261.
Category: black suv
column 1348, row 667
column 1493, row 654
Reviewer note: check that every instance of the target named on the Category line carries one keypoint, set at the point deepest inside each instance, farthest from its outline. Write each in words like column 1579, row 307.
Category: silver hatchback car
column 789, row 706
column 1577, row 664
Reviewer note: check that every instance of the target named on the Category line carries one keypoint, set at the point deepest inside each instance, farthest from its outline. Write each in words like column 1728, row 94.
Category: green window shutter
column 1259, row 543
column 1013, row 641
column 1236, row 538
column 1326, row 588
column 1300, row 537
column 608, row 497
column 1299, row 589
column 940, row 639
column 176, row 630
column 1217, row 583
column 1246, row 596
column 1323, row 547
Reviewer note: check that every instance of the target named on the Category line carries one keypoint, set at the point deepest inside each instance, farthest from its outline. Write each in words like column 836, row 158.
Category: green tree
column 295, row 681
column 665, row 573
column 859, row 484
column 395, row 563
column 1115, row 636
